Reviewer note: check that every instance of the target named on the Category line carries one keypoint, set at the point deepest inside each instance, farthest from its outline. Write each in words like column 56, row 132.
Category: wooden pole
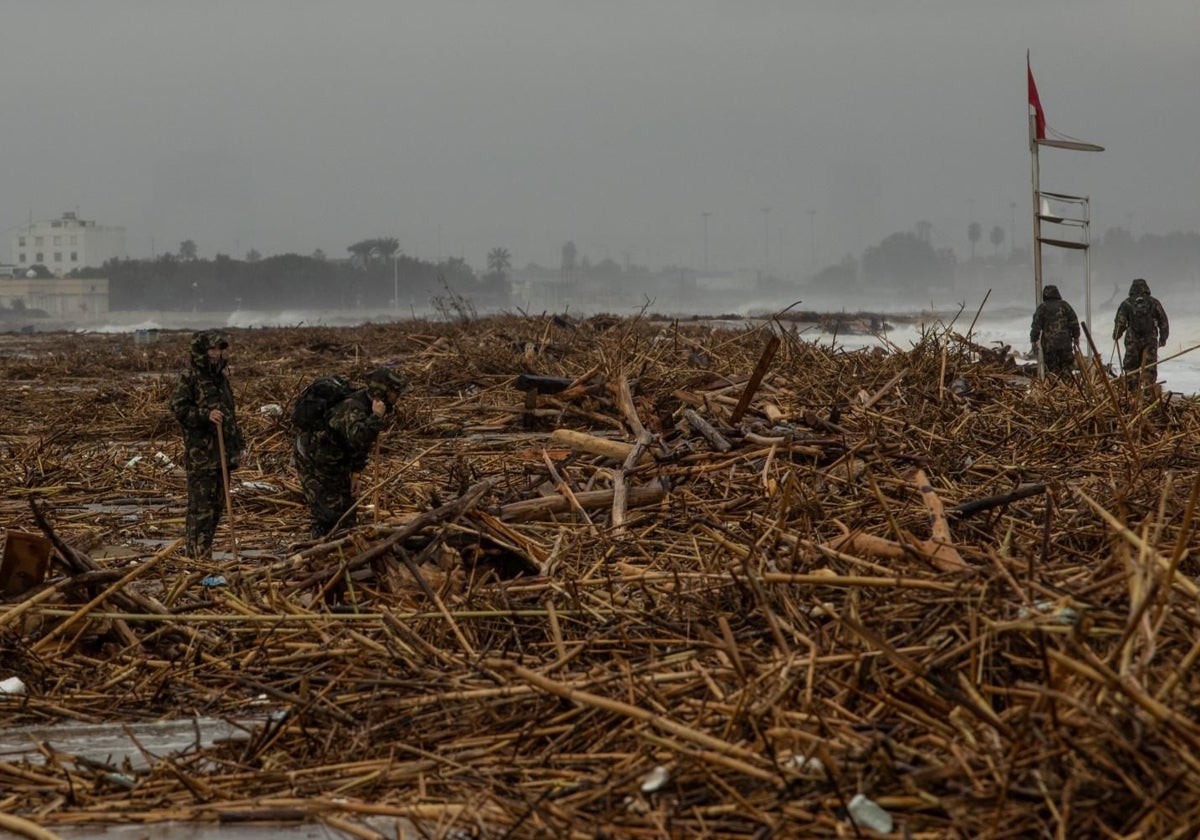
column 228, row 498
column 756, row 378
column 375, row 489
column 1037, row 228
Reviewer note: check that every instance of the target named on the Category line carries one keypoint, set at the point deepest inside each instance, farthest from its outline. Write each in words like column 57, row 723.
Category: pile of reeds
column 620, row 579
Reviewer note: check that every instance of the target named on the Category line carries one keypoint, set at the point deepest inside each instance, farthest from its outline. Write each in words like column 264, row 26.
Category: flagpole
column 1037, row 221
column 1036, row 249
column 1037, row 229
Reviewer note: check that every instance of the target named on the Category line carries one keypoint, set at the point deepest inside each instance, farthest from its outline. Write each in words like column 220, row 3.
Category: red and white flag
column 1036, row 104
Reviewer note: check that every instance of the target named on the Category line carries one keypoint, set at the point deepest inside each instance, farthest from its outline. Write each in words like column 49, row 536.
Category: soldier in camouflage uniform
column 1056, row 328
column 1143, row 321
column 329, row 459
column 202, row 401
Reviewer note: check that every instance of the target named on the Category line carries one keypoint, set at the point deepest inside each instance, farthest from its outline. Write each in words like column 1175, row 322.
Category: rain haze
column 732, row 136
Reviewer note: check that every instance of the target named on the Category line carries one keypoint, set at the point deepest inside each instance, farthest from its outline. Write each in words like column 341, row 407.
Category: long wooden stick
column 527, row 509
column 228, row 497
column 621, row 482
column 750, row 760
column 450, row 512
column 715, row 439
column 965, row 509
column 628, row 409
column 940, row 546
column 618, row 450
column 760, row 370
column 375, row 489
column 82, row 612
column 891, row 383
column 24, row 828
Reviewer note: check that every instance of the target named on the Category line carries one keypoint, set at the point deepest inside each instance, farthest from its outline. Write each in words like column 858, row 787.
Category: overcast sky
column 291, row 125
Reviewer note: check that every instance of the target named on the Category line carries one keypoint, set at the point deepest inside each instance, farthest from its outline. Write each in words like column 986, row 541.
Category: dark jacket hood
column 201, row 342
column 1139, row 288
column 1051, row 293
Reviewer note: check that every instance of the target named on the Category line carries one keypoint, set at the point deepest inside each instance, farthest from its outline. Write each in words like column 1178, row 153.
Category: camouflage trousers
column 1060, row 360
column 1136, row 355
column 326, row 489
column 206, row 500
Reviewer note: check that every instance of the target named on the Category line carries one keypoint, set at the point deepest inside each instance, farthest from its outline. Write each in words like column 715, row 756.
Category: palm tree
column 499, row 261
column 974, row 232
column 569, row 254
column 996, row 237
column 366, row 251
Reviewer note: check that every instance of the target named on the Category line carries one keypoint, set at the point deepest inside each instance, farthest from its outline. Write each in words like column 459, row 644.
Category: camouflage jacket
column 1056, row 324
column 347, row 444
column 200, row 389
column 1124, row 323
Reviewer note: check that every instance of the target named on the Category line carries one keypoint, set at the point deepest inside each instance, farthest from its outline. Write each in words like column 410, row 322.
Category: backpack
column 311, row 411
column 1141, row 317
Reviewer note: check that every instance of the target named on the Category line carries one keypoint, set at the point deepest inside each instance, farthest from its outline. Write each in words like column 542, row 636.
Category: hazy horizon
column 457, row 127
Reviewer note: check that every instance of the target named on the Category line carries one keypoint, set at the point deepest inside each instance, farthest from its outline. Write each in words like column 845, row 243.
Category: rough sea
column 1178, row 371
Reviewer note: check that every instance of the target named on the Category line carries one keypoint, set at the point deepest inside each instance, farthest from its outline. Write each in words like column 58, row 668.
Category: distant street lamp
column 812, row 237
column 766, row 211
column 396, row 280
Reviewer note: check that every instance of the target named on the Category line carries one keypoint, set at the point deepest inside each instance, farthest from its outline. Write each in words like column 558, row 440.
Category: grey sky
column 459, row 126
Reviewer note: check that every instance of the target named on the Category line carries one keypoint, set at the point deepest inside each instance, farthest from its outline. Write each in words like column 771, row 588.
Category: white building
column 67, row 243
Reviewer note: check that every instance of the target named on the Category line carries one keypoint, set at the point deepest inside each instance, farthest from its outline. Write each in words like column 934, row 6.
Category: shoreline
column 172, row 320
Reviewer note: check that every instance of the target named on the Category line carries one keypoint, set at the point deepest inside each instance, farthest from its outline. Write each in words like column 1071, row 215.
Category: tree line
column 908, row 262
column 375, row 275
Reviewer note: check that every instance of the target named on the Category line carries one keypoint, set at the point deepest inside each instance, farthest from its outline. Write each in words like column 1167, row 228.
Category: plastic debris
column 13, row 685
column 655, row 779
column 214, row 580
column 132, row 462
column 1050, row 609
column 164, row 459
column 636, row 805
column 812, row 764
column 121, row 780
column 260, row 486
column 868, row 814
column 825, row 609
column 271, row 409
